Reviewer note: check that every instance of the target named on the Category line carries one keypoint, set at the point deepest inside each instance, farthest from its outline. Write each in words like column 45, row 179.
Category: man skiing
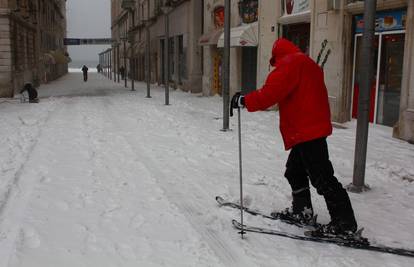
column 85, row 73
column 297, row 85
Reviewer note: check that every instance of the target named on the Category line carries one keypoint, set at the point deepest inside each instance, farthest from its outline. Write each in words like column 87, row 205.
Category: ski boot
column 343, row 232
column 301, row 211
column 304, row 218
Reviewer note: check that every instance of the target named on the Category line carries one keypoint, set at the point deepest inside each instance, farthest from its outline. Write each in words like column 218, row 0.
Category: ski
column 357, row 243
column 223, row 203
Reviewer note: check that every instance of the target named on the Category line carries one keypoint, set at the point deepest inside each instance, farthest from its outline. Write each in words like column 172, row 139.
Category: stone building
column 130, row 19
column 310, row 24
column 31, row 43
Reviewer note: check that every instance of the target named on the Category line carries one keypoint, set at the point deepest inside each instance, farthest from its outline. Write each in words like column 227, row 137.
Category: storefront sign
column 384, row 21
column 219, row 17
column 296, row 6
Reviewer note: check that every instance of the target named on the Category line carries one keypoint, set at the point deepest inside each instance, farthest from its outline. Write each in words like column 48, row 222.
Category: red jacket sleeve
column 279, row 84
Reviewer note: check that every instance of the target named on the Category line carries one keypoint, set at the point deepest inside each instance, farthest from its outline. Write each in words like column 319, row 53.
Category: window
column 248, row 10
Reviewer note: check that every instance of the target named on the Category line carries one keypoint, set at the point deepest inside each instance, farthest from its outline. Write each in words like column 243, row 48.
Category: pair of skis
column 356, row 242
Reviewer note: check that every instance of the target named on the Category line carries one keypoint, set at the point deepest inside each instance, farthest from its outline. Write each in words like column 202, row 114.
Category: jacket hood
column 281, row 48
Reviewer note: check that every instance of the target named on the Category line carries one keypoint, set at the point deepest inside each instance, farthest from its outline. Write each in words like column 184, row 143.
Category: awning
column 295, row 18
column 245, row 35
column 210, row 38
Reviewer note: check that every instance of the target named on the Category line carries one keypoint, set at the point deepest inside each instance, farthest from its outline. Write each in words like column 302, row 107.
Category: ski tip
column 220, row 200
column 236, row 223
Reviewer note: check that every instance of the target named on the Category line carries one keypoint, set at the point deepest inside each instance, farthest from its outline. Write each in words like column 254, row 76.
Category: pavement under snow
column 98, row 175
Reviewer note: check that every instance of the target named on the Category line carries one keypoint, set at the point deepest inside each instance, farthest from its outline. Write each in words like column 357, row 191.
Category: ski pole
column 242, row 232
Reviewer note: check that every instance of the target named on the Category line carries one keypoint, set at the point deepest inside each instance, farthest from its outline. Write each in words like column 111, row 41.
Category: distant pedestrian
column 31, row 91
column 122, row 71
column 85, row 73
column 98, row 68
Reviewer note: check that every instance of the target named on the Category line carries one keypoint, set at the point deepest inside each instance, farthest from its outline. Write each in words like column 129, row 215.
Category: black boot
column 301, row 211
column 340, row 209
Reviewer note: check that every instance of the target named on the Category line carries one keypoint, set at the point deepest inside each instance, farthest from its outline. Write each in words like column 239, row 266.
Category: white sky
column 88, row 19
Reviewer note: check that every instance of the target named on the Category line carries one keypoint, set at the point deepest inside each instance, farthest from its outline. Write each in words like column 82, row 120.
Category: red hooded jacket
column 297, row 85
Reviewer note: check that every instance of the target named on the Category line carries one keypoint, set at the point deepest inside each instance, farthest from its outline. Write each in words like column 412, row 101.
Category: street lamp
column 166, row 10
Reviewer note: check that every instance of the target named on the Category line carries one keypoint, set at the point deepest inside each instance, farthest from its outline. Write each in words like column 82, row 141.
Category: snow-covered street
column 97, row 175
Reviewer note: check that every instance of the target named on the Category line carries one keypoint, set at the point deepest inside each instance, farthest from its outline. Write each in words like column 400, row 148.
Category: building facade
column 135, row 21
column 31, row 43
column 330, row 33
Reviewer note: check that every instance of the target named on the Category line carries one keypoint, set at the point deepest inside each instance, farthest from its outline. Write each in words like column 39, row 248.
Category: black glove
column 237, row 101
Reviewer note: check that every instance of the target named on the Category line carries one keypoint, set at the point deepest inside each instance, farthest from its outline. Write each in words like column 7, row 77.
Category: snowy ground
column 97, row 175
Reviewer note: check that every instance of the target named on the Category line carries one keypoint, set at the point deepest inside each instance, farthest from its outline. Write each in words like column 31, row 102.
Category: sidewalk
column 97, row 175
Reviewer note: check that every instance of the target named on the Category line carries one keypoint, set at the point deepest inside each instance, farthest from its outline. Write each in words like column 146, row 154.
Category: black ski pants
column 310, row 161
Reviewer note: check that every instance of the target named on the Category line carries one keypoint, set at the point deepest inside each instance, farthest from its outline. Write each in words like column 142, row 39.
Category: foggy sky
column 88, row 19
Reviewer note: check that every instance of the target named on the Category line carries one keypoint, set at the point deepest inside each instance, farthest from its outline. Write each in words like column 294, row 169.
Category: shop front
column 210, row 40
column 388, row 68
column 245, row 38
column 295, row 23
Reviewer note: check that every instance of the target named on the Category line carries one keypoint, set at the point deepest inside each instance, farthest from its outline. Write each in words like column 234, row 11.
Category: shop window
column 248, row 10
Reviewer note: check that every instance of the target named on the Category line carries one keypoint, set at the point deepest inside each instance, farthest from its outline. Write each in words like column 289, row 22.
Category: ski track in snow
column 97, row 175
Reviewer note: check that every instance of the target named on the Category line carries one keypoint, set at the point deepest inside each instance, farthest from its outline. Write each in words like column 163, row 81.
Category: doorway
column 249, row 69
column 299, row 34
column 386, row 88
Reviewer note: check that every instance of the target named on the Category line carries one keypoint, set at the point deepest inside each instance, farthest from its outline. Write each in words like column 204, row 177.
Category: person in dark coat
column 85, row 73
column 297, row 85
column 122, row 71
column 98, row 68
column 31, row 91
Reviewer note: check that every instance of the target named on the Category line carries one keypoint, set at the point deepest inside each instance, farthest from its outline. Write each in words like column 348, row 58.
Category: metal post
column 106, row 64
column 132, row 63
column 148, row 54
column 103, row 64
column 167, row 59
column 242, row 232
column 226, row 66
column 115, row 62
column 366, row 62
column 125, row 66
column 110, row 63
column 119, row 61
column 104, row 59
